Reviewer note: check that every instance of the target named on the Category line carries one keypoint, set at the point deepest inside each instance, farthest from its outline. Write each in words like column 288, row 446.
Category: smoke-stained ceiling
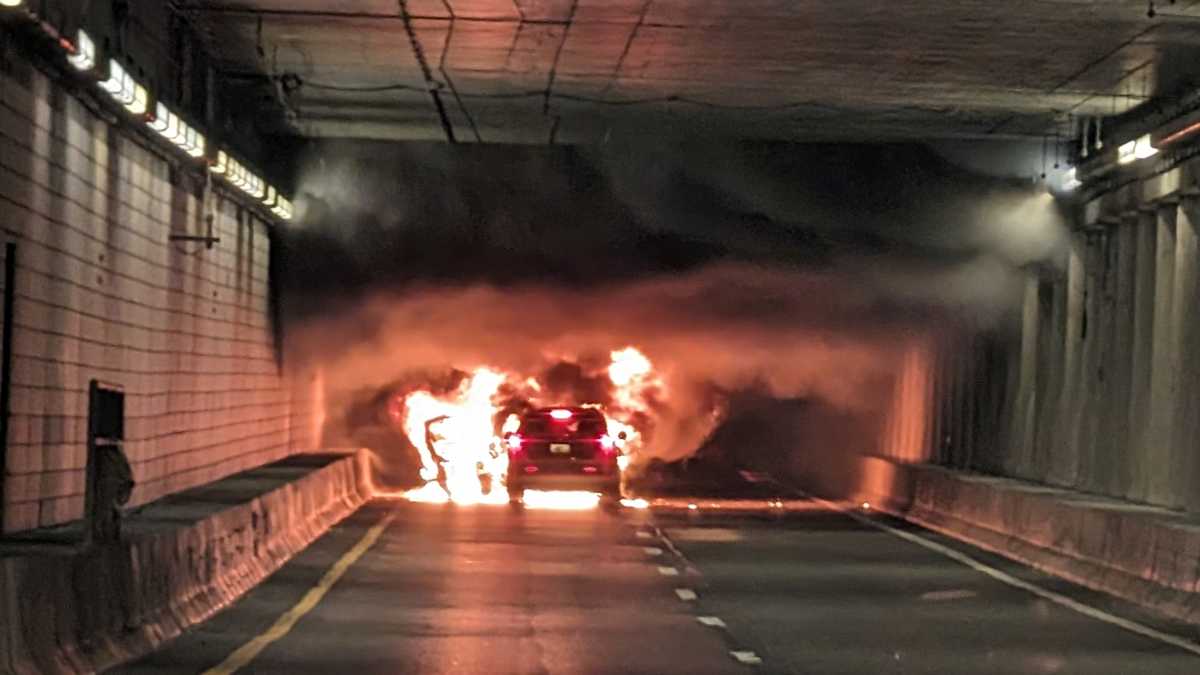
column 566, row 71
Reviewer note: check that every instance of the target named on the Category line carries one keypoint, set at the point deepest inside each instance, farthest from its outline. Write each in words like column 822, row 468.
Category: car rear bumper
column 567, row 482
column 563, row 475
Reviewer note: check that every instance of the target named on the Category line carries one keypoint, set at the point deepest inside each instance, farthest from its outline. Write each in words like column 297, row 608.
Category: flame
column 638, row 503
column 628, row 365
column 634, row 378
column 460, row 429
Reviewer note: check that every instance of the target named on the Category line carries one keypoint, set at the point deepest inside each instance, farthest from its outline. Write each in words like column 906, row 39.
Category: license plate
column 560, row 448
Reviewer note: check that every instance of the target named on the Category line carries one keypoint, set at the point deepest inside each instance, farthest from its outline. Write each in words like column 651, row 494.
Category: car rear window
column 577, row 426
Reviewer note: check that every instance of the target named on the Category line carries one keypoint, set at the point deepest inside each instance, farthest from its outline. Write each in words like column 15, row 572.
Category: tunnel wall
column 101, row 292
column 1094, row 384
column 1109, row 392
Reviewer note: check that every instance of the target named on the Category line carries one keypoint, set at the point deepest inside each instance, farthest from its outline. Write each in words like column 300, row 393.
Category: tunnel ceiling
column 537, row 71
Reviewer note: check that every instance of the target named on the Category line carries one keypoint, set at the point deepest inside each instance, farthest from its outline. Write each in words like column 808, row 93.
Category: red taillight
column 607, row 443
column 531, row 469
column 514, row 443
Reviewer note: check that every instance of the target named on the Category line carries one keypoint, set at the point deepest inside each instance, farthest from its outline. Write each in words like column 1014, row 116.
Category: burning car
column 563, row 448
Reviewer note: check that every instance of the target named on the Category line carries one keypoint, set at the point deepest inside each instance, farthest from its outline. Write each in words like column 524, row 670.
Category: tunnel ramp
column 181, row 559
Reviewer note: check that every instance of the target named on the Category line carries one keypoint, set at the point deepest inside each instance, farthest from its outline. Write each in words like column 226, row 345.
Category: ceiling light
column 192, row 141
column 1136, row 149
column 283, row 208
column 11, row 3
column 84, row 57
column 1143, row 148
column 197, row 151
column 221, row 166
column 140, row 102
column 161, row 116
column 116, row 76
column 1070, row 180
column 177, row 134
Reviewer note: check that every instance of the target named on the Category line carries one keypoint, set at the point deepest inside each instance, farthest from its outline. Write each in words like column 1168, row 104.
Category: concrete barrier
column 180, row 561
column 1143, row 554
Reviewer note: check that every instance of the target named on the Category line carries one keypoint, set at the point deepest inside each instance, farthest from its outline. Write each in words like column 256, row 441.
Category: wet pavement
column 777, row 585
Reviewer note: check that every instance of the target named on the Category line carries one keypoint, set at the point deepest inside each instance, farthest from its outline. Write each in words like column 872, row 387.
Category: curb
column 1147, row 556
column 94, row 610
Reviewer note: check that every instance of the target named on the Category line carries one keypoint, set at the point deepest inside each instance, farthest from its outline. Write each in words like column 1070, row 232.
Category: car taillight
column 514, row 443
column 607, row 443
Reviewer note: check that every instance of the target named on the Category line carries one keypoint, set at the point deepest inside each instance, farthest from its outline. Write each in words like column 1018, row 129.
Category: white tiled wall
column 101, row 293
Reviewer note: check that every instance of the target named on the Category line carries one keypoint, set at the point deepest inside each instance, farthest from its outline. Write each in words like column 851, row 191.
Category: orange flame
column 459, row 428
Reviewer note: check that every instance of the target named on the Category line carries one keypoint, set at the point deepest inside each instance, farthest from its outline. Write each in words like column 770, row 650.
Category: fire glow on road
column 562, row 500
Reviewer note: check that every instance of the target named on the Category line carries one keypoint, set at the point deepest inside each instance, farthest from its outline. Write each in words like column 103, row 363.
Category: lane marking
column 714, row 621
column 1006, row 578
column 666, row 540
column 711, row 535
column 668, row 571
column 283, row 625
column 653, row 551
column 686, row 594
column 644, row 535
column 747, row 657
column 938, row 596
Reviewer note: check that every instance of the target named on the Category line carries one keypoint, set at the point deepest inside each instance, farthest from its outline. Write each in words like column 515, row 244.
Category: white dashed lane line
column 746, row 657
column 686, row 594
column 743, row 656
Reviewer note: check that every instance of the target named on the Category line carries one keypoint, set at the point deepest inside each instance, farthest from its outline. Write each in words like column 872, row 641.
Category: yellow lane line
column 284, row 624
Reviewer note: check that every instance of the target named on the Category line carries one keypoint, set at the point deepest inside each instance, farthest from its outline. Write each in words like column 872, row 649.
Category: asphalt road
column 805, row 589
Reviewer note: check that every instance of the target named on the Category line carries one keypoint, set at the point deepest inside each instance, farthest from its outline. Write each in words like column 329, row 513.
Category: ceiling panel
column 904, row 68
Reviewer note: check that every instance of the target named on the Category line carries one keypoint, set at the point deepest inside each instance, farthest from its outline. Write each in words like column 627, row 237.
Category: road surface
column 804, row 588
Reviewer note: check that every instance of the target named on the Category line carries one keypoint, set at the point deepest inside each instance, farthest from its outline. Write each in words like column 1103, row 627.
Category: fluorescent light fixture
column 283, row 208
column 170, row 125
column 1137, row 149
column 177, row 134
column 84, row 57
column 1143, row 149
column 237, row 174
column 196, row 145
column 1070, row 180
column 254, row 186
column 161, row 117
column 116, row 75
column 140, row 102
column 1125, row 152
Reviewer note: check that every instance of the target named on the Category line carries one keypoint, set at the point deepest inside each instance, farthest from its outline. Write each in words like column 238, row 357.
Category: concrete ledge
column 1143, row 554
column 181, row 560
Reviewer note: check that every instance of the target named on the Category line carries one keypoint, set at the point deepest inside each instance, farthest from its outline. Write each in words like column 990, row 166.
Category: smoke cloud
column 801, row 272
